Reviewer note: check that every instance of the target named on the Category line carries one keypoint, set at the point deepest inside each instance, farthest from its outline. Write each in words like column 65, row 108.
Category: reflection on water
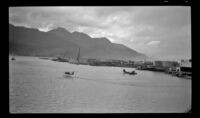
column 38, row 85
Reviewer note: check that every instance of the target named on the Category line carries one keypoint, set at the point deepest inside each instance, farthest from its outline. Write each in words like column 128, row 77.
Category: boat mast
column 64, row 55
column 78, row 55
column 12, row 53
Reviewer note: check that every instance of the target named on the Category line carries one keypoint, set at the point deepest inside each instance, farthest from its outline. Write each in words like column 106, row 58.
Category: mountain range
column 60, row 42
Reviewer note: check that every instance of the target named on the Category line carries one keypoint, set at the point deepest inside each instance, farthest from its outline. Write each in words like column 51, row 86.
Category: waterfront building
column 159, row 66
column 148, row 64
column 138, row 63
column 166, row 65
column 116, row 62
column 131, row 63
column 92, row 61
column 144, row 65
column 73, row 61
column 83, row 61
column 186, row 67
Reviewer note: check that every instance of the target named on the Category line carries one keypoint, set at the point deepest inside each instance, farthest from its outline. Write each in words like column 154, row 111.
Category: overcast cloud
column 160, row 31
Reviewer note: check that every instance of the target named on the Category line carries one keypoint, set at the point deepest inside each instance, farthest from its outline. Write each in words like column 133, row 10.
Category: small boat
column 13, row 58
column 130, row 73
column 68, row 73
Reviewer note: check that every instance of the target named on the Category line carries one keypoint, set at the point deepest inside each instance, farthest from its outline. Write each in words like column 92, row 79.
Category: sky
column 161, row 32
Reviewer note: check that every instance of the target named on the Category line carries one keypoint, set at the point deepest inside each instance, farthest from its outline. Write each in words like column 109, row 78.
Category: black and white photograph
column 100, row 59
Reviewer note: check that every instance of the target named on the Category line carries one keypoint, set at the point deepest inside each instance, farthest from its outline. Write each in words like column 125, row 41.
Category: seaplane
column 130, row 73
column 69, row 74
